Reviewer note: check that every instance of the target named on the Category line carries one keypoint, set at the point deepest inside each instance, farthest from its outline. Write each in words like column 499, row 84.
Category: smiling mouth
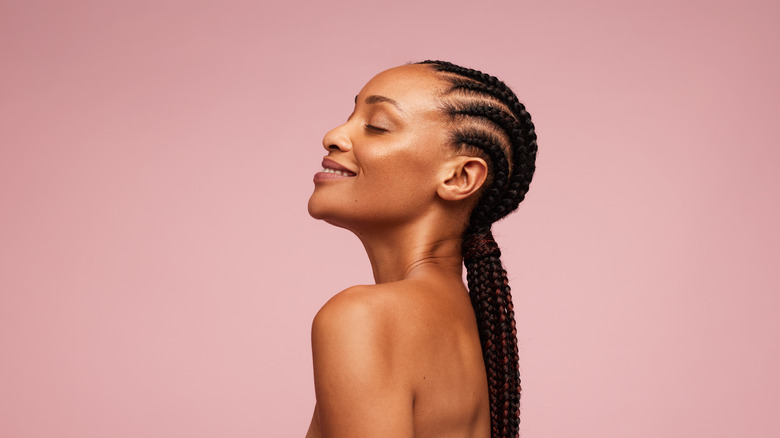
column 337, row 172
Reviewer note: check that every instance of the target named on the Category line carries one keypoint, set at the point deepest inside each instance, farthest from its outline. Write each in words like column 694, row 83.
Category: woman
column 432, row 155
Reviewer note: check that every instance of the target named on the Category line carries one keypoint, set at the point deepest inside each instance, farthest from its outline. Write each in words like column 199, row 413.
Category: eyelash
column 375, row 128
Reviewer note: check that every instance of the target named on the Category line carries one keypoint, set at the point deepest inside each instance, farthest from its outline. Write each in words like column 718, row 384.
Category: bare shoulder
column 366, row 325
column 391, row 359
column 352, row 305
column 400, row 329
column 376, row 310
column 354, row 316
column 359, row 390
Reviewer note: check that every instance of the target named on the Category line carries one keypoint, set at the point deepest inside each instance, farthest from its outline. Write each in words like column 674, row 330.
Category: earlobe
column 464, row 177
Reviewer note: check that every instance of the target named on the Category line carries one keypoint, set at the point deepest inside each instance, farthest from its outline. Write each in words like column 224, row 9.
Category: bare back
column 416, row 355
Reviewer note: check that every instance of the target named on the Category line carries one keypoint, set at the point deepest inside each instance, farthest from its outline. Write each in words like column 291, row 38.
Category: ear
column 464, row 176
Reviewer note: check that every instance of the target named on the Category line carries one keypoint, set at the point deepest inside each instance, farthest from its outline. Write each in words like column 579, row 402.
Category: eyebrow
column 378, row 99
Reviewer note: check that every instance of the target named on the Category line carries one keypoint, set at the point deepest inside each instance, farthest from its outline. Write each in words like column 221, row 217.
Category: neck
column 398, row 254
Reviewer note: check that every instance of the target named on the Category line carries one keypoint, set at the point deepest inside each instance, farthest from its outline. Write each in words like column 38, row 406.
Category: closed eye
column 375, row 128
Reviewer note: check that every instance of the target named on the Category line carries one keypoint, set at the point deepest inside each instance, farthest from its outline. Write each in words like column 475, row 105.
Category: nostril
column 333, row 147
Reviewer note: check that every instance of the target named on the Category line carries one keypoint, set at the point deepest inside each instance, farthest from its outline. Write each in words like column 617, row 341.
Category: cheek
column 411, row 166
column 395, row 191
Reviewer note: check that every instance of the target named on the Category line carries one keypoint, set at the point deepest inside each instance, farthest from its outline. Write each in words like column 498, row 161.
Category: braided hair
column 490, row 122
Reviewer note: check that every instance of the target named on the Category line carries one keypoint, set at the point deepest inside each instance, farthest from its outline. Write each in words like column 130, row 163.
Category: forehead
column 409, row 85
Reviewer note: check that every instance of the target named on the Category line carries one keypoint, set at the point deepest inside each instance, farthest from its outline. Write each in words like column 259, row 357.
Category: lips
column 329, row 164
column 331, row 170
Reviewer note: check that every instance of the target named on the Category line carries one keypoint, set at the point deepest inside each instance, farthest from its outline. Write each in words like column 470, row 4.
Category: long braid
column 493, row 122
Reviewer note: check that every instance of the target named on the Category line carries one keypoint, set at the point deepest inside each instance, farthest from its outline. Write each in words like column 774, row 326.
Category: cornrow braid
column 499, row 208
column 489, row 119
column 524, row 142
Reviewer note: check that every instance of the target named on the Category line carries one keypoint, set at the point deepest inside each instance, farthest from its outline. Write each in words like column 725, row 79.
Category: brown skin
column 400, row 358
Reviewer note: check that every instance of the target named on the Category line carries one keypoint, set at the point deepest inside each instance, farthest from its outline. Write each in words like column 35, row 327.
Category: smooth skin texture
column 400, row 358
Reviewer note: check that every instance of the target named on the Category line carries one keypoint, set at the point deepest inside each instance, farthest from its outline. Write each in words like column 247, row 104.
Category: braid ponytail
column 492, row 302
column 491, row 120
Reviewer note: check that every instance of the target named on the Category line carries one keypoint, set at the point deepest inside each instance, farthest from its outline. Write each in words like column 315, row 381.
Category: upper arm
column 360, row 392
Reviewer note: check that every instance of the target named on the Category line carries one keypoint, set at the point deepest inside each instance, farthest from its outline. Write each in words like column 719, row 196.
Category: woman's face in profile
column 382, row 164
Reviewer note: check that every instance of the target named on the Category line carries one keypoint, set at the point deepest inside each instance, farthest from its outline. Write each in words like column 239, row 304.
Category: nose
column 337, row 140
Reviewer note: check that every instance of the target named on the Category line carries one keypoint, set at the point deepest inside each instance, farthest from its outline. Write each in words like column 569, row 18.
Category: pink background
column 159, row 272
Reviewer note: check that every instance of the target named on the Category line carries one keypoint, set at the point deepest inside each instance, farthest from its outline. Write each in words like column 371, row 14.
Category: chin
column 315, row 210
column 324, row 211
column 318, row 209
